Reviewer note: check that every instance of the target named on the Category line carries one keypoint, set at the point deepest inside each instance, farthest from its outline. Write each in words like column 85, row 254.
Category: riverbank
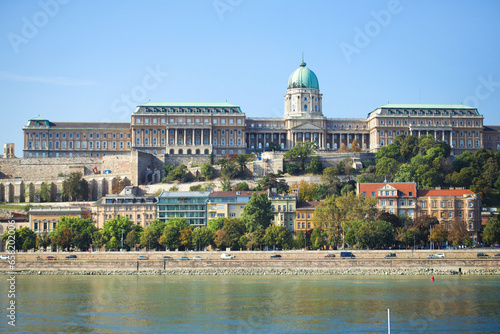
column 266, row 271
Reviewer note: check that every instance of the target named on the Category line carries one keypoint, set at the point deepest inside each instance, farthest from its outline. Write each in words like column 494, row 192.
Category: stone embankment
column 267, row 271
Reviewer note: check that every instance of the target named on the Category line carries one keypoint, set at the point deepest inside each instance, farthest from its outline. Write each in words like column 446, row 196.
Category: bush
column 293, row 169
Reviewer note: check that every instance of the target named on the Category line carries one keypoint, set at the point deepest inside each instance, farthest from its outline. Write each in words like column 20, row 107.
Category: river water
column 254, row 304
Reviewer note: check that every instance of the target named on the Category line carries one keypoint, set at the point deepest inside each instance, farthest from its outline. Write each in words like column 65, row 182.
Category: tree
column 43, row 240
column 186, row 238
column 45, row 193
column 331, row 180
column 180, row 223
column 173, row 188
column 308, row 191
column 215, row 224
column 491, row 233
column 242, row 186
column 301, row 152
column 458, row 234
column 74, row 232
column 197, row 187
column 132, row 239
column 355, row 146
column 317, row 239
column 229, row 168
column 242, row 160
column 293, row 168
column 208, row 171
column 234, row 228
column 300, row 240
column 226, row 184
column 327, row 216
column 178, row 173
column 257, row 213
column 75, row 188
column 271, row 181
column 273, row 147
column 391, row 218
column 315, row 166
column 170, row 237
column 150, row 237
column 25, row 238
column 117, row 185
column 202, row 237
column 438, row 234
column 113, row 229
column 221, row 239
column 278, row 236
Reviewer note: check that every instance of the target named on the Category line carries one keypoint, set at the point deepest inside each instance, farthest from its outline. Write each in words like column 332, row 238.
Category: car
column 275, row 256
column 440, row 255
column 390, row 255
column 183, row 258
column 71, row 256
column 347, row 254
column 330, row 255
column 496, row 255
column 166, row 258
column 198, row 258
column 480, row 255
column 431, row 255
column 4, row 257
column 142, row 257
column 225, row 256
column 50, row 257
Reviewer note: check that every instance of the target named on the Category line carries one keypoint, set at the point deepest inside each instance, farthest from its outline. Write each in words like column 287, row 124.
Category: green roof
column 426, row 106
column 303, row 78
column 190, row 104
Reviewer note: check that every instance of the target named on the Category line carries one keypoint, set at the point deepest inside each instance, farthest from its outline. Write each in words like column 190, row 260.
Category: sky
column 94, row 61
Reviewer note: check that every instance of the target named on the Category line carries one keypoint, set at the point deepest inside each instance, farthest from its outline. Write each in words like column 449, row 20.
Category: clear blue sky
column 78, row 61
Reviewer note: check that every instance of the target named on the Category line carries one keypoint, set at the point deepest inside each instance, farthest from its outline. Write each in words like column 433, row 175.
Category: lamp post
column 413, row 242
column 122, row 240
column 149, row 243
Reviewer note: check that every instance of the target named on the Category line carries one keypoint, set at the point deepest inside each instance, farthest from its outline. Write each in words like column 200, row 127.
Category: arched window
column 137, row 142
column 180, row 151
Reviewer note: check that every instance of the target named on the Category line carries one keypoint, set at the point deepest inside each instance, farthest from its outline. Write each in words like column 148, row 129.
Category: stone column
column 192, row 137
column 175, row 136
column 185, row 137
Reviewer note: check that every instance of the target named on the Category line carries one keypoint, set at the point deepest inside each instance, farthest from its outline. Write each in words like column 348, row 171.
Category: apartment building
column 228, row 203
column 190, row 205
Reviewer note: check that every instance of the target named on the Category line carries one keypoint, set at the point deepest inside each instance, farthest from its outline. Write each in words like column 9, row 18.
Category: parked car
column 496, row 255
column 71, row 256
column 50, row 257
column 431, row 255
column 225, row 256
column 440, row 255
column 390, row 255
column 4, row 257
column 347, row 254
column 480, row 255
column 166, row 258
column 276, row 256
column 198, row 258
column 184, row 258
column 330, row 255
column 142, row 257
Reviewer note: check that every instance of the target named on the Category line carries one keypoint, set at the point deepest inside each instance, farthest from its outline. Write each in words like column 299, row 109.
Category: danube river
column 254, row 304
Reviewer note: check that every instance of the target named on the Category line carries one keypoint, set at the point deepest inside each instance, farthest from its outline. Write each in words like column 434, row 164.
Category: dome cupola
column 303, row 78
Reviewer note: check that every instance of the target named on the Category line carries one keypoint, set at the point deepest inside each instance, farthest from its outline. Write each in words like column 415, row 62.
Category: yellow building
column 305, row 215
column 283, row 207
column 45, row 218
column 228, row 203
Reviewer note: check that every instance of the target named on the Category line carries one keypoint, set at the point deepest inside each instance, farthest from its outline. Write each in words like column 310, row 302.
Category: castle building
column 223, row 129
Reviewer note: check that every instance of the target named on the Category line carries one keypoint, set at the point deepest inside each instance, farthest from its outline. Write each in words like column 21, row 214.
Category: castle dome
column 303, row 78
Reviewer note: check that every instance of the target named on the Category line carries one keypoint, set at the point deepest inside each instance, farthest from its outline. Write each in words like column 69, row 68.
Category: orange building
column 305, row 215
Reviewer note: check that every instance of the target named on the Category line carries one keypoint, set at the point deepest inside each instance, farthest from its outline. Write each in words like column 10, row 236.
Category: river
column 254, row 304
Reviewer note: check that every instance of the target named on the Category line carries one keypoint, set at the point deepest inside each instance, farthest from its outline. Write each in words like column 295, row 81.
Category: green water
column 254, row 304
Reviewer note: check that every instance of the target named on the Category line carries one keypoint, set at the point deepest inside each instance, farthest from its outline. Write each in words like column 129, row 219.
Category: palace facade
column 222, row 128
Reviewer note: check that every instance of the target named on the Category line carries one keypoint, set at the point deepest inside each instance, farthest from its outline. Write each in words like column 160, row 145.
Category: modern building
column 228, row 203
column 447, row 205
column 190, row 205
column 222, row 128
column 305, row 215
column 129, row 203
column 45, row 218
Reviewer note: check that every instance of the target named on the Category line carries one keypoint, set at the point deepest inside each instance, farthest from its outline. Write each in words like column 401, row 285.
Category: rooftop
column 235, row 193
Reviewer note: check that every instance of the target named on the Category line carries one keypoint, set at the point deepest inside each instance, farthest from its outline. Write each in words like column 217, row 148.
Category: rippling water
column 255, row 304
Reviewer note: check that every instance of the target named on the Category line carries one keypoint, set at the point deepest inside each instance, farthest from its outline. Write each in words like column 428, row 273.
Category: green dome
column 303, row 78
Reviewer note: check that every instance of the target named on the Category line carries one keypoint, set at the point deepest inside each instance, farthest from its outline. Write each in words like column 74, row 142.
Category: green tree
column 180, row 223
column 331, row 180
column 45, row 193
column 301, row 152
column 257, row 213
column 293, row 168
column 81, row 232
column 272, row 180
column 113, row 229
column 202, row 237
column 491, row 233
column 43, row 240
column 221, row 239
column 229, row 168
column 439, row 235
column 178, row 173
column 226, row 184
column 171, row 237
column 215, row 224
column 186, row 238
column 208, row 171
column 317, row 239
column 234, row 228
column 150, row 236
column 75, row 188
column 132, row 239
column 300, row 240
column 242, row 186
column 458, row 234
column 242, row 160
column 197, row 187
column 173, row 188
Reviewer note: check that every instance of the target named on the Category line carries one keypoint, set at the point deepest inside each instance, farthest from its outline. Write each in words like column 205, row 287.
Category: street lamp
column 149, row 243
